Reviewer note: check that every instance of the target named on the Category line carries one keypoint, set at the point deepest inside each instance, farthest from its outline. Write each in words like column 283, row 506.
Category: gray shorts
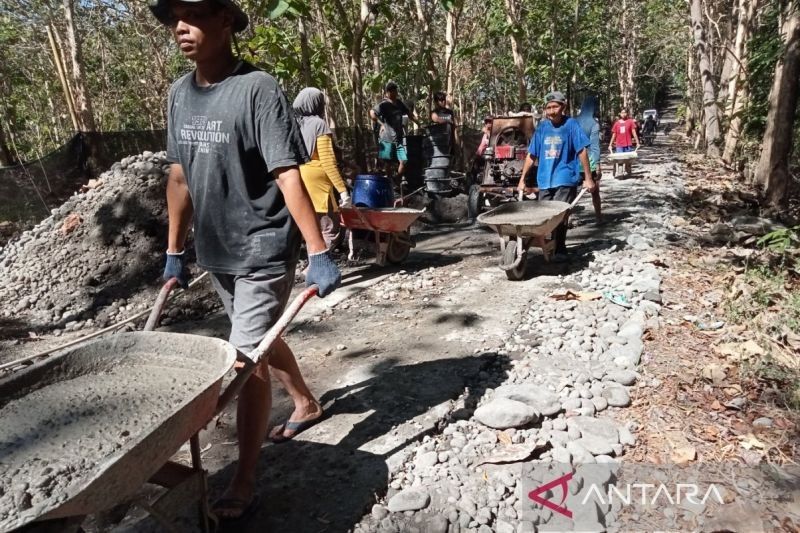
column 254, row 302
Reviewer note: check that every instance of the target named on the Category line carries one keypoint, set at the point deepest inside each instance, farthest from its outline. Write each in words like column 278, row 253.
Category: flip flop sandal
column 234, row 523
column 297, row 427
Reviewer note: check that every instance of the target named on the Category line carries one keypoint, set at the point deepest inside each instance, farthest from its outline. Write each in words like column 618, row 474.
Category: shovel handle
column 252, row 359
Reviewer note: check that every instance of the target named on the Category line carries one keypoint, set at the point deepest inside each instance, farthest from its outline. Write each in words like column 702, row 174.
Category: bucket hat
column 160, row 10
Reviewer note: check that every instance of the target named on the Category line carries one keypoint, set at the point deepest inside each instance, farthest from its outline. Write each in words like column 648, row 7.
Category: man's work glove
column 345, row 199
column 176, row 268
column 323, row 272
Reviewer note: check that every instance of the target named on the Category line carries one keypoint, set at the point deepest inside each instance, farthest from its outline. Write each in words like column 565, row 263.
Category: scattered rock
column 502, row 413
column 409, row 500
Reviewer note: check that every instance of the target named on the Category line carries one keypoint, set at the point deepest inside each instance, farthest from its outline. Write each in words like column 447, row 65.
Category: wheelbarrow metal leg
column 381, row 245
column 203, row 509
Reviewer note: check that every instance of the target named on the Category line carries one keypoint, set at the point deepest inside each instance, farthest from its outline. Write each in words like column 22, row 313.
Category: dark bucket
column 372, row 190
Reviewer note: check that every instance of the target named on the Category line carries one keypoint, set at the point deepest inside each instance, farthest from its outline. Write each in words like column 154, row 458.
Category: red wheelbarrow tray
column 383, row 219
column 86, row 429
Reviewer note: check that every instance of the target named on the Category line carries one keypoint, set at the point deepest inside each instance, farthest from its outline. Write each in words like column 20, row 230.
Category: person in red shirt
column 623, row 136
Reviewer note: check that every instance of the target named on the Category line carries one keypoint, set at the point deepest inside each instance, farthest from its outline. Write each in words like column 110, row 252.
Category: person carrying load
column 559, row 151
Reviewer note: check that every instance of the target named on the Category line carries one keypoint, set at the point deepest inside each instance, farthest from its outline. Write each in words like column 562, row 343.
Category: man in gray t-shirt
column 235, row 147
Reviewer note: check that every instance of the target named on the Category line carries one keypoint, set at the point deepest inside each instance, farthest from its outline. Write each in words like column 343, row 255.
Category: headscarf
column 309, row 106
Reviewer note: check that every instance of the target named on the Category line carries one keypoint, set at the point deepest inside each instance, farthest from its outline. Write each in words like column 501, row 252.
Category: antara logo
column 559, row 482
column 632, row 493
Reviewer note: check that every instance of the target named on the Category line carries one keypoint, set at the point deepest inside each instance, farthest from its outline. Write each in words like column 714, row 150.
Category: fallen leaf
column 683, row 455
column 751, row 347
column 750, row 441
column 92, row 184
column 711, row 432
column 658, row 263
column 504, row 437
column 792, row 340
column 580, row 296
column 716, row 406
column 733, row 390
column 714, row 373
column 71, row 222
column 513, row 453
column 682, row 451
column 739, row 351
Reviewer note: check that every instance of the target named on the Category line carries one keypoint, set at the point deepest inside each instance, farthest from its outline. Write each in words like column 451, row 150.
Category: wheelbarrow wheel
column 509, row 256
column 399, row 248
column 474, row 202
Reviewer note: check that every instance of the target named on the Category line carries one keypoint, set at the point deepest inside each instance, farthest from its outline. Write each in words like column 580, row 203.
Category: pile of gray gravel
column 86, row 264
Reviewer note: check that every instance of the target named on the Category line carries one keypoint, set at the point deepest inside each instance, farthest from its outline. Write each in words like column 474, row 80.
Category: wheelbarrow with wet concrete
column 523, row 224
column 83, row 432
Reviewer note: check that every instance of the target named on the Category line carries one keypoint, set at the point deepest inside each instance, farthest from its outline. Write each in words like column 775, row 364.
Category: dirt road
column 394, row 353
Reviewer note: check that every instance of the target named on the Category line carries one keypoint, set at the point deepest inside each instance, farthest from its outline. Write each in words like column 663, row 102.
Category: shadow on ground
column 314, row 487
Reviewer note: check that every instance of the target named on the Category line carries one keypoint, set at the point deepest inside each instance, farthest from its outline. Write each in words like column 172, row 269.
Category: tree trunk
column 77, row 78
column 738, row 92
column 512, row 17
column 710, row 112
column 626, row 66
column 305, row 55
column 451, row 27
column 425, row 49
column 62, row 77
column 772, row 172
column 6, row 155
column 691, row 117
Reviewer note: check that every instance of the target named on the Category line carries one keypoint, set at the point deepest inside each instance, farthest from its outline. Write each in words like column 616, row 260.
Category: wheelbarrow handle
column 158, row 306
column 577, row 198
column 252, row 359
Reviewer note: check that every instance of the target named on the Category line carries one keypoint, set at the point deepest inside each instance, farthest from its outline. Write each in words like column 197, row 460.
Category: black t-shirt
column 228, row 138
column 390, row 115
column 445, row 113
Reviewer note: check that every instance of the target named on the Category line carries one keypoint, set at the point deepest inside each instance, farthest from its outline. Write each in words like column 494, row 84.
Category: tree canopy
column 105, row 65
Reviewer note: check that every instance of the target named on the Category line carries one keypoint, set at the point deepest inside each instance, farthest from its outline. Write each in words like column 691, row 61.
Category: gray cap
column 555, row 96
column 160, row 10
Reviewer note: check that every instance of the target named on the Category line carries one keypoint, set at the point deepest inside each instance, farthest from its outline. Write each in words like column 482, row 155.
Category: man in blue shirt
column 559, row 151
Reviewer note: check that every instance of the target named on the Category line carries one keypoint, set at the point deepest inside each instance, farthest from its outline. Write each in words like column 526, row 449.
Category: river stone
column 632, row 329
column 437, row 524
column 571, row 404
column 623, row 377
column 617, row 396
column 599, row 427
column 426, row 460
column 626, row 437
column 379, row 511
column 579, row 453
column 638, row 242
column 502, row 413
column 412, row 499
column 600, row 403
column 596, row 445
column 543, row 401
column 503, row 527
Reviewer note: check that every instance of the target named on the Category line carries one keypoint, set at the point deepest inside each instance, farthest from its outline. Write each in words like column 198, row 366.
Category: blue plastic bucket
column 372, row 190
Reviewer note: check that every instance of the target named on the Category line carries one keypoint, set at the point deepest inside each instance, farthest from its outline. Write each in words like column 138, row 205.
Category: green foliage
column 782, row 240
column 130, row 60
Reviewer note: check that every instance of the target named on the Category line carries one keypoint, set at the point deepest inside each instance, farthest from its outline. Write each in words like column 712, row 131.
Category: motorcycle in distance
column 649, row 130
